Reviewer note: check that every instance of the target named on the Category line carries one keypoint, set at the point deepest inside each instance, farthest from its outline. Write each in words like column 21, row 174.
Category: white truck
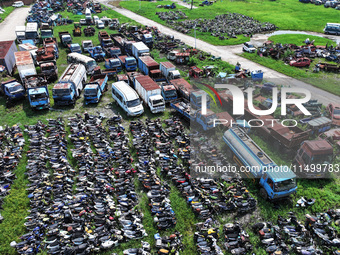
column 140, row 49
column 20, row 33
column 87, row 44
column 150, row 93
column 25, row 64
column 169, row 71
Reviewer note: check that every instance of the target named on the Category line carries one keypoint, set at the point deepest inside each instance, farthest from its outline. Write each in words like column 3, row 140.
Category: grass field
column 7, row 12
column 324, row 80
column 299, row 39
column 285, row 14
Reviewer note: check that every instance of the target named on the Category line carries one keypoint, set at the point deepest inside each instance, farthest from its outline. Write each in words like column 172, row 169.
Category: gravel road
column 16, row 18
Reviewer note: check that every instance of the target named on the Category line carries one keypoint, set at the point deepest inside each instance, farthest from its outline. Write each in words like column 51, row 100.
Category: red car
column 334, row 112
column 300, row 62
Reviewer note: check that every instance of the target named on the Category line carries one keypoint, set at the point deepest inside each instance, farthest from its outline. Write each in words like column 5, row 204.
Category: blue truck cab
column 276, row 182
column 75, row 47
column 113, row 63
column 95, row 89
column 129, row 63
column 196, row 99
column 97, row 53
column 38, row 98
column 12, row 90
column 169, row 92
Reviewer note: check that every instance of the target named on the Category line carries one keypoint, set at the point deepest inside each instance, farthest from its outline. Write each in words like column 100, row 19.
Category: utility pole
column 192, row 2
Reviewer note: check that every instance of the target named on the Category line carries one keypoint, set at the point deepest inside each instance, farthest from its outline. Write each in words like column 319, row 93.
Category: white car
column 100, row 24
column 18, row 4
column 247, row 47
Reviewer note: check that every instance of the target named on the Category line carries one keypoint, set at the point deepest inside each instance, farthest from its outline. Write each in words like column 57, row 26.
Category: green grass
column 299, row 39
column 285, row 14
column 323, row 80
column 7, row 12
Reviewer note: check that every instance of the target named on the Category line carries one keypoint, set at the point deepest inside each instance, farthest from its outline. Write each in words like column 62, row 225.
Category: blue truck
column 196, row 99
column 12, row 90
column 37, row 91
column 113, row 63
column 70, row 85
column 277, row 182
column 97, row 53
column 129, row 63
column 95, row 89
column 169, row 92
column 74, row 47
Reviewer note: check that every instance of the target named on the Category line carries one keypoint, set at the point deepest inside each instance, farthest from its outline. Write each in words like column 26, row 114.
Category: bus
column 88, row 62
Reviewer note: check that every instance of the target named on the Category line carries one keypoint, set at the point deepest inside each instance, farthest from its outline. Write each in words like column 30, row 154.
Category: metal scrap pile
column 171, row 15
column 225, row 25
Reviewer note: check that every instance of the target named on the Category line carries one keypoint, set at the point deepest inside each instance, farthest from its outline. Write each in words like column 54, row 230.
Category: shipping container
column 7, row 58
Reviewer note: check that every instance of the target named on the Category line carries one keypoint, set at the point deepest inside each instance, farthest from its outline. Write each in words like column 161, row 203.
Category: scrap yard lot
column 105, row 147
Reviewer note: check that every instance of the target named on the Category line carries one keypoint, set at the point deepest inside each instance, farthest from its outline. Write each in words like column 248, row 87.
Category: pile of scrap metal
column 225, row 26
column 171, row 15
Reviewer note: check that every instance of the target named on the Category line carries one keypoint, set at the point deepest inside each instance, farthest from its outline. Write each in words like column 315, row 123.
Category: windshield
column 337, row 112
column 131, row 62
column 31, row 35
column 87, row 45
column 133, row 103
column 250, row 46
column 38, row 97
column 210, row 118
column 67, row 38
column 170, row 93
column 91, row 65
column 158, row 101
column 77, row 48
column 115, row 63
column 61, row 92
column 46, row 33
column 47, row 68
column 285, row 185
column 90, row 92
column 322, row 159
column 15, row 89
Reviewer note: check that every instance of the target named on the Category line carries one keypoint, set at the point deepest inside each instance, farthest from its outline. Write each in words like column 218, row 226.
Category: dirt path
column 229, row 54
column 16, row 18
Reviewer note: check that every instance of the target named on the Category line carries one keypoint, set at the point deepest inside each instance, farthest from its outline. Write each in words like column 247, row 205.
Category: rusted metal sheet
column 149, row 62
column 23, row 58
column 167, row 65
column 147, row 83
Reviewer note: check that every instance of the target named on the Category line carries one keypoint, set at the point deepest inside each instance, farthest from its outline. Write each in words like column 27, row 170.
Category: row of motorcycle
column 290, row 235
column 11, row 146
column 157, row 190
column 80, row 204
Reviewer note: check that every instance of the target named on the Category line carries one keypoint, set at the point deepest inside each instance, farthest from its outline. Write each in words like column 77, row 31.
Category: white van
column 100, row 24
column 88, row 14
column 18, row 4
column 127, row 98
column 95, row 19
